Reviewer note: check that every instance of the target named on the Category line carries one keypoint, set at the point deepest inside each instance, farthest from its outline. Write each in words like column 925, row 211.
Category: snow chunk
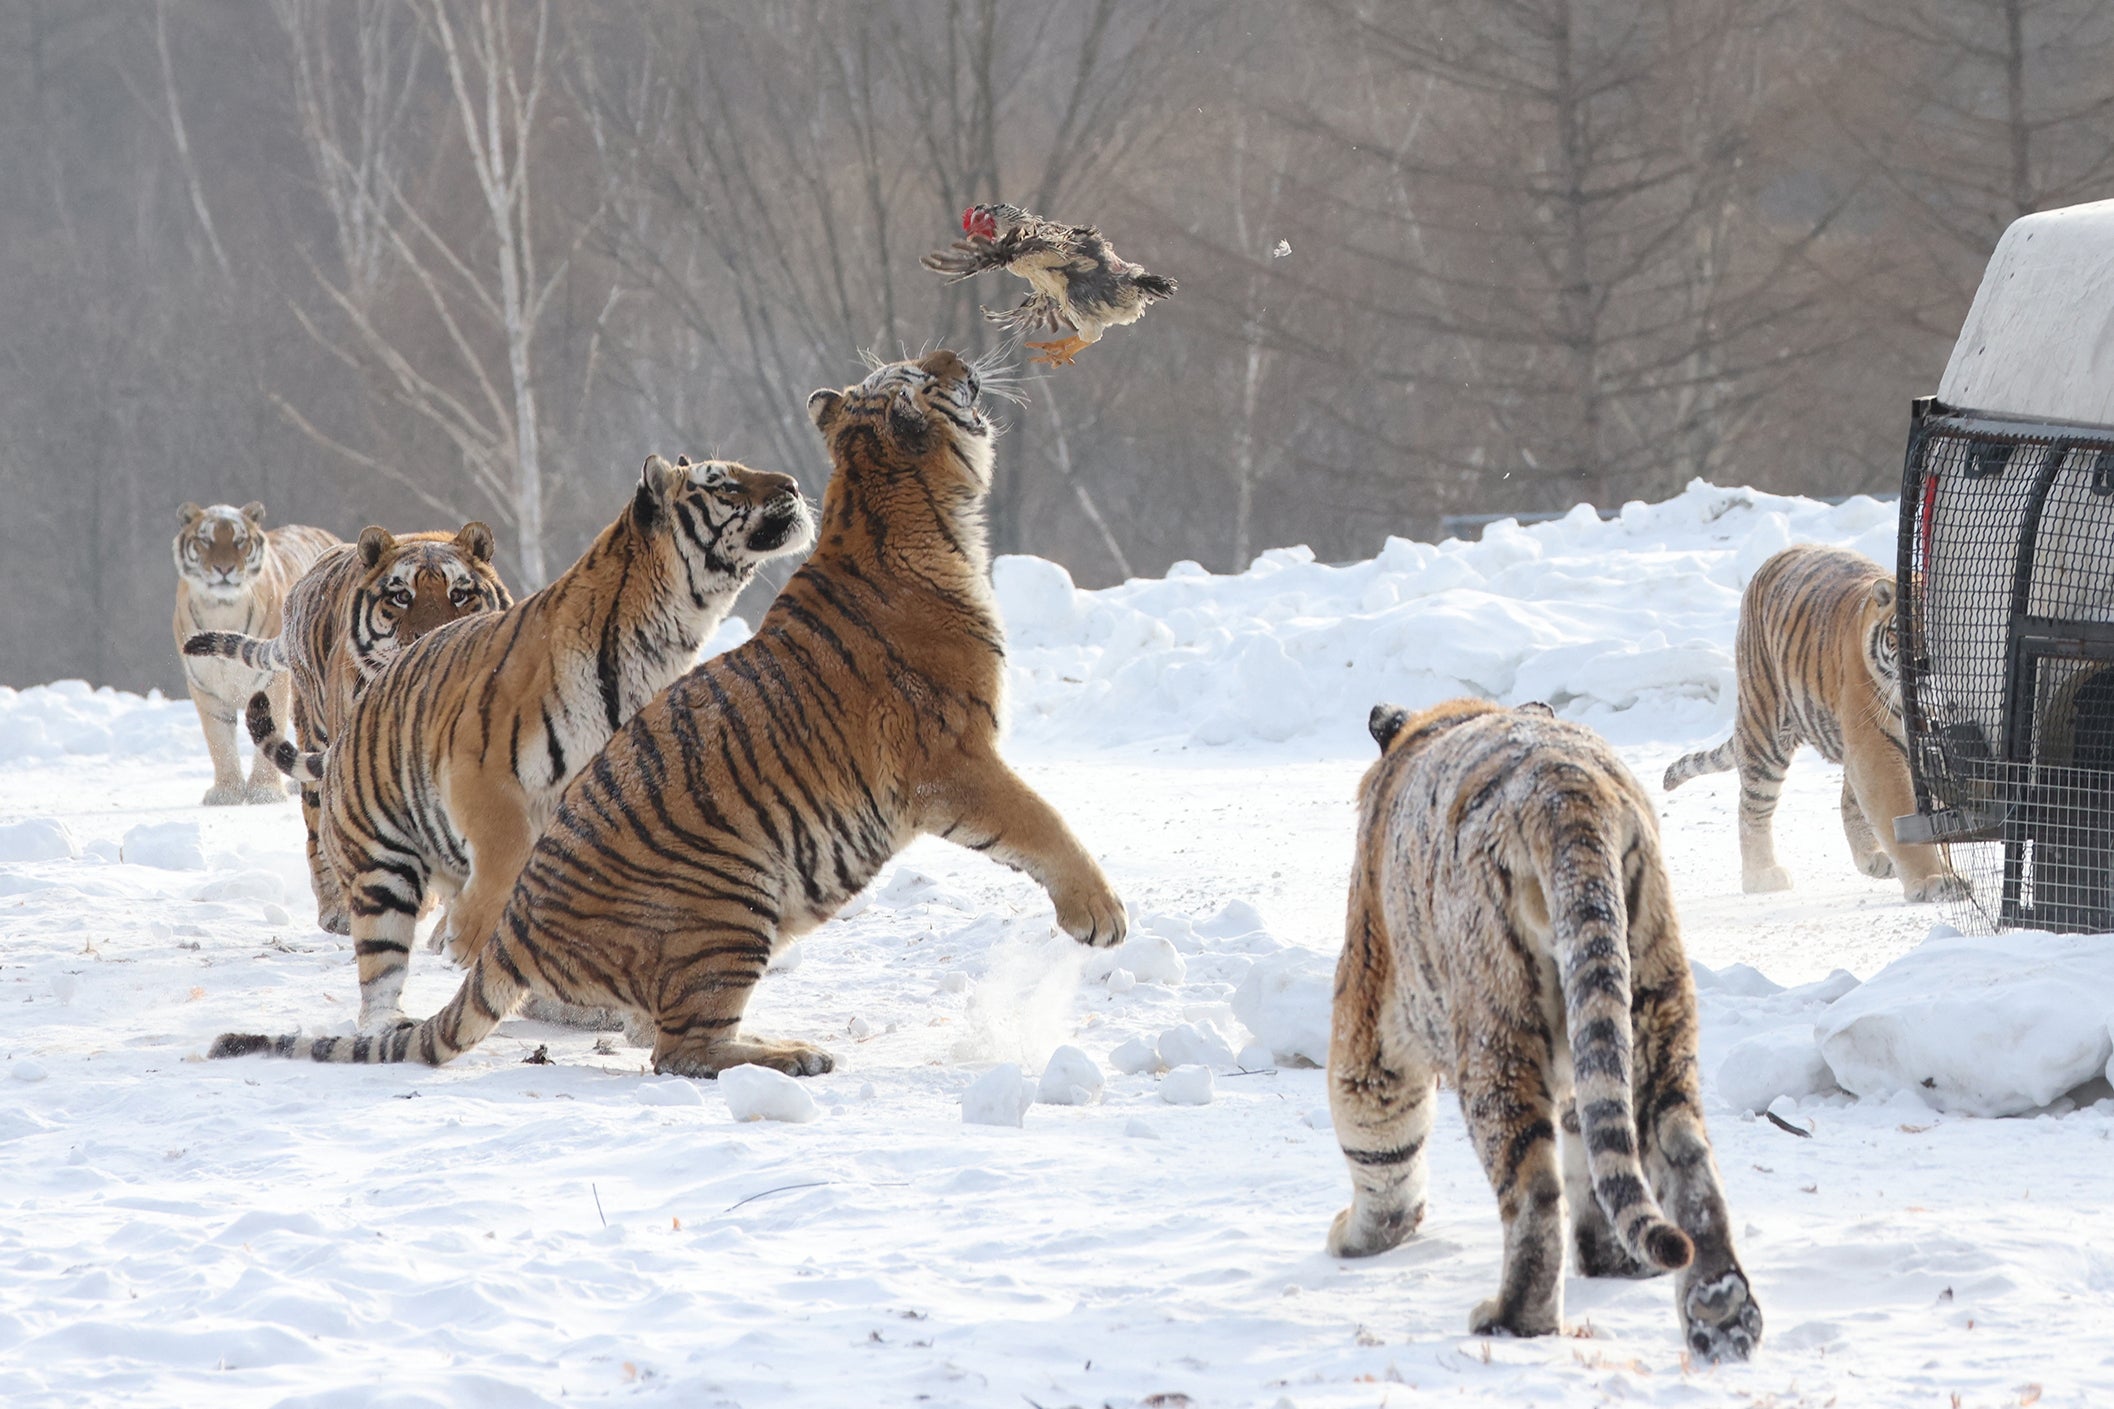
column 1135, row 1056
column 1149, row 958
column 1001, row 1096
column 1977, row 1026
column 1784, row 1061
column 1286, row 1001
column 1236, row 917
column 1187, row 1086
column 1072, row 1078
column 759, row 1093
column 171, row 846
column 680, row 1091
column 25, row 1070
column 1194, row 1044
column 38, row 839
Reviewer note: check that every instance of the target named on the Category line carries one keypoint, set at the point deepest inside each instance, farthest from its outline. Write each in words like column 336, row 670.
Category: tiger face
column 416, row 583
column 910, row 416
column 1880, row 633
column 726, row 518
column 219, row 551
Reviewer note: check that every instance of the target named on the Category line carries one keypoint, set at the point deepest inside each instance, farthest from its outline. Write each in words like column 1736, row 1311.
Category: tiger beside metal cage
column 2007, row 633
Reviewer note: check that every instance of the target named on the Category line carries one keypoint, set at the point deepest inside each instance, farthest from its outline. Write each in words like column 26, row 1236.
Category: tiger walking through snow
column 1511, row 930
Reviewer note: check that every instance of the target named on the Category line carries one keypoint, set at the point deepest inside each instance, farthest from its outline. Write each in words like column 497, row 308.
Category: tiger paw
column 225, row 795
column 1490, row 1319
column 1768, row 879
column 333, row 922
column 1719, row 1319
column 1936, row 888
column 1094, row 916
column 1879, row 865
column 1352, row 1236
column 266, row 790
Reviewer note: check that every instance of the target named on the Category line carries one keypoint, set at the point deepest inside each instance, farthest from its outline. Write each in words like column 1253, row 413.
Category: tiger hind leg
column 332, row 917
column 1505, row 1094
column 1720, row 1319
column 1599, row 1251
column 1764, row 758
column 703, row 988
column 1381, row 1090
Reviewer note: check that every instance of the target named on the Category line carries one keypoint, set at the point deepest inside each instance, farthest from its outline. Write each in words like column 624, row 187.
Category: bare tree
column 460, row 349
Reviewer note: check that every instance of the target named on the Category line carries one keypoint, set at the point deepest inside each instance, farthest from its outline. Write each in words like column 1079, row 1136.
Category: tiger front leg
column 1877, row 777
column 218, row 722
column 384, row 893
column 332, row 916
column 1865, row 850
column 986, row 807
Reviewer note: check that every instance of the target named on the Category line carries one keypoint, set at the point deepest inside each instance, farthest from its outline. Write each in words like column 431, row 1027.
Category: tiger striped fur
column 1816, row 659
column 1511, row 929
column 232, row 575
column 455, row 754
column 344, row 620
column 745, row 805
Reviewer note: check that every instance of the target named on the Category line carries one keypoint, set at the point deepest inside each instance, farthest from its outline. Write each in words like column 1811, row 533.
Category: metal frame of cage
column 2006, row 620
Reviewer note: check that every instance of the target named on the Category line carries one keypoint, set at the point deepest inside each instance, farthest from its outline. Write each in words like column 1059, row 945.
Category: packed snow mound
column 1773, row 1052
column 1977, row 1025
column 1287, row 1001
column 1001, row 1096
column 69, row 719
column 759, row 1093
column 37, row 839
column 1597, row 618
column 169, row 846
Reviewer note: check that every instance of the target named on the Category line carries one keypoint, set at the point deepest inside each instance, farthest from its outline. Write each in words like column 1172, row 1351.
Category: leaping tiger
column 745, row 805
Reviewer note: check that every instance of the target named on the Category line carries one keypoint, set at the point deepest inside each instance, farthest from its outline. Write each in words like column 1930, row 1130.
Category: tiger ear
column 655, row 483
column 1882, row 594
column 254, row 512
column 682, row 462
column 1540, row 707
column 374, row 541
column 476, row 540
column 1385, row 722
column 822, row 408
column 190, row 514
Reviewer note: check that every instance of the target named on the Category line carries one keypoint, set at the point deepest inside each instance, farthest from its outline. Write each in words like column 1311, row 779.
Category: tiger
column 343, row 621
column 452, row 758
column 1816, row 661
column 232, row 574
column 744, row 806
column 1511, row 930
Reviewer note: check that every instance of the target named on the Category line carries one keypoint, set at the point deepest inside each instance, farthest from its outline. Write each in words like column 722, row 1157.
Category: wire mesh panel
column 2007, row 631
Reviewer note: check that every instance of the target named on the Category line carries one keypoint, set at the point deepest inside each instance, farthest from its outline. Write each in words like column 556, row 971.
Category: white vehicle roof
column 2039, row 339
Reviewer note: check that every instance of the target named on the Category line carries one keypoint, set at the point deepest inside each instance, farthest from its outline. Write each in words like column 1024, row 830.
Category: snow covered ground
column 504, row 1232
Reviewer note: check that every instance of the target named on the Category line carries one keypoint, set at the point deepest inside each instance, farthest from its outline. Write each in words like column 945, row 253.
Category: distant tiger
column 765, row 788
column 452, row 758
column 345, row 619
column 232, row 575
column 1816, row 660
column 1511, row 931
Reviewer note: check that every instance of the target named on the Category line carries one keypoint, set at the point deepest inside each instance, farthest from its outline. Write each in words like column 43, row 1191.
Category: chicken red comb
column 969, row 220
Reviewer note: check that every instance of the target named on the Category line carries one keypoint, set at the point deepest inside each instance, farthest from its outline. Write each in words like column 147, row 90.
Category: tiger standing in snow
column 1511, row 929
column 1817, row 661
column 349, row 616
column 232, row 575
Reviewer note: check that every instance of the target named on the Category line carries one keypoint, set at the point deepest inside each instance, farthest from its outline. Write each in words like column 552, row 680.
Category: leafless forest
column 419, row 261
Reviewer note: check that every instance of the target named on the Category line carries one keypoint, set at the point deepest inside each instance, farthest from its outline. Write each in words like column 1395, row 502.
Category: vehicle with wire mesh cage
column 2007, row 586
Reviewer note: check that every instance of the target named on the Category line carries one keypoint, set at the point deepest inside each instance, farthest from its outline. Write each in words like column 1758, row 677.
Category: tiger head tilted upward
column 346, row 618
column 745, row 804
